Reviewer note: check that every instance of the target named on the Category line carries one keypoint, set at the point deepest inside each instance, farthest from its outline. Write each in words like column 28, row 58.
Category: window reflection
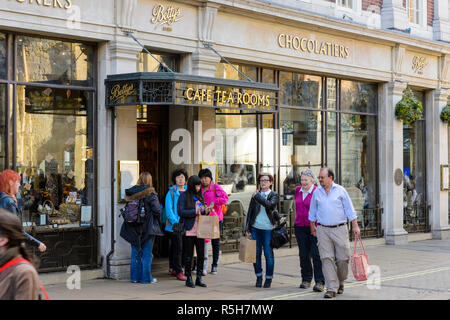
column 414, row 179
column 236, row 155
column 225, row 71
column 359, row 96
column 300, row 148
column 147, row 64
column 358, row 158
column 3, row 51
column 54, row 61
column 300, row 90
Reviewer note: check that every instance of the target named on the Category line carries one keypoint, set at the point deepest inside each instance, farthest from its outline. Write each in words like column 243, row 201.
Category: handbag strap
column 362, row 246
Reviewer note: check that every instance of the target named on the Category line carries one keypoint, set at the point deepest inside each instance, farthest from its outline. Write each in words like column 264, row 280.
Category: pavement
column 415, row 271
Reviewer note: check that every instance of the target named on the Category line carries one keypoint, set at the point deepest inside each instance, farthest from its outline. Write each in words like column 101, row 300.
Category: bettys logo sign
column 162, row 15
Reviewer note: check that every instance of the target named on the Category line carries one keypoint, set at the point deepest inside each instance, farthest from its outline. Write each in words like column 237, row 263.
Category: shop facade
column 337, row 86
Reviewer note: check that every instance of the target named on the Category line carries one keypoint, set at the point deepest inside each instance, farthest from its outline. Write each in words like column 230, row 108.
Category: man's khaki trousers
column 334, row 250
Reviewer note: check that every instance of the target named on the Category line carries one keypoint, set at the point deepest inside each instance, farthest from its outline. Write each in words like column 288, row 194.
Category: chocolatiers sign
column 308, row 45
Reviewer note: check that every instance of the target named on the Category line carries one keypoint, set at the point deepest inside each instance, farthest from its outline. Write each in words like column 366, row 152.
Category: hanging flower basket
column 445, row 114
column 409, row 109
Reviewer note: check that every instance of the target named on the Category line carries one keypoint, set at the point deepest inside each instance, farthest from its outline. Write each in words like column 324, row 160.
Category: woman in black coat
column 142, row 235
column 261, row 219
column 190, row 206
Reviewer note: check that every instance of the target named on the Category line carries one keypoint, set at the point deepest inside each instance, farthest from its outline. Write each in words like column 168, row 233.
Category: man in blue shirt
column 330, row 207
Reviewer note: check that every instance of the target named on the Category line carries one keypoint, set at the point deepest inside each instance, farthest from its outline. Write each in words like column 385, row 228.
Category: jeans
column 215, row 243
column 263, row 238
column 307, row 246
column 141, row 262
column 188, row 243
column 176, row 246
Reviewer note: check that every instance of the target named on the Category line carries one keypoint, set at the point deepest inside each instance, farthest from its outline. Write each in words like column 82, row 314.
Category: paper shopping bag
column 247, row 250
column 208, row 227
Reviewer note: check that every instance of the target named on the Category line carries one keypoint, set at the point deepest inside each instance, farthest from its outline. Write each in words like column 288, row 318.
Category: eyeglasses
column 264, row 180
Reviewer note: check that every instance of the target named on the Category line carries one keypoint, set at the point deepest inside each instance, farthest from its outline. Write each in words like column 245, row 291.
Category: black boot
column 199, row 282
column 189, row 282
column 267, row 283
column 258, row 282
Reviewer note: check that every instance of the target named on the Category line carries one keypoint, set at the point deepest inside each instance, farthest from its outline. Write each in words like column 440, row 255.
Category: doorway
column 152, row 154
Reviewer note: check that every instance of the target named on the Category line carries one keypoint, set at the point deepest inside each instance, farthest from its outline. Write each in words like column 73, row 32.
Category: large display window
column 47, row 115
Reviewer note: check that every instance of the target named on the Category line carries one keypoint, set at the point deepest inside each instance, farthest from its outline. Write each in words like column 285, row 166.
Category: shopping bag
column 247, row 250
column 360, row 263
column 208, row 227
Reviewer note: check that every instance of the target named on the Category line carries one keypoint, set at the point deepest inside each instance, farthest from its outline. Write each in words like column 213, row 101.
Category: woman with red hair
column 9, row 187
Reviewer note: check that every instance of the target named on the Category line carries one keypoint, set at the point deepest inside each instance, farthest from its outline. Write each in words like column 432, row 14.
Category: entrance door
column 148, row 150
column 152, row 154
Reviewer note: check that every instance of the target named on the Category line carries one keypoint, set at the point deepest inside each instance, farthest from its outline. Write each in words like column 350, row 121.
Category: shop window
column 236, row 155
column 3, row 73
column 54, row 155
column 300, row 90
column 226, row 71
column 359, row 97
column 300, row 148
column 415, row 214
column 358, row 158
column 54, row 61
column 332, row 156
column 331, row 94
column 268, row 76
column 147, row 64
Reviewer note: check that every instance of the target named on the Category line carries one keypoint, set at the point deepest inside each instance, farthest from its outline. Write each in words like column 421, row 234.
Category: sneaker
column 213, row 270
column 173, row 272
column 305, row 285
column 154, row 280
column 319, row 287
column 204, row 272
column 181, row 277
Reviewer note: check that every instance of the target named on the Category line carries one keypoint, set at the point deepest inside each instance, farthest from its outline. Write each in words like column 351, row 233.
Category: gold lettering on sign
column 169, row 15
column 418, row 64
column 62, row 4
column 121, row 94
column 230, row 97
column 308, row 45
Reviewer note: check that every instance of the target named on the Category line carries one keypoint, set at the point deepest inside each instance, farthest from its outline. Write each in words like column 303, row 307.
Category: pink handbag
column 360, row 263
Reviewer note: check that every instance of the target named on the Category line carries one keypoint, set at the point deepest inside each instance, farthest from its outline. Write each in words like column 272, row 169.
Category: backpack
column 131, row 213
column 19, row 260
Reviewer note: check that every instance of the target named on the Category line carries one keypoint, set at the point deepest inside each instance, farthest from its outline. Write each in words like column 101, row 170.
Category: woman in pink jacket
column 307, row 242
column 216, row 197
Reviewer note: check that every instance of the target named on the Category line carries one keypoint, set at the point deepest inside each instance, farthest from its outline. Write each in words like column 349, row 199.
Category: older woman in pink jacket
column 307, row 242
column 214, row 196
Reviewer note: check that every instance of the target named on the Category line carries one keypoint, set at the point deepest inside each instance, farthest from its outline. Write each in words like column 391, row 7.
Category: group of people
column 320, row 227
column 186, row 200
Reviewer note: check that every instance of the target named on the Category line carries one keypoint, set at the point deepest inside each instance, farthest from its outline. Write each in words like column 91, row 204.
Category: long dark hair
column 191, row 191
column 11, row 228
